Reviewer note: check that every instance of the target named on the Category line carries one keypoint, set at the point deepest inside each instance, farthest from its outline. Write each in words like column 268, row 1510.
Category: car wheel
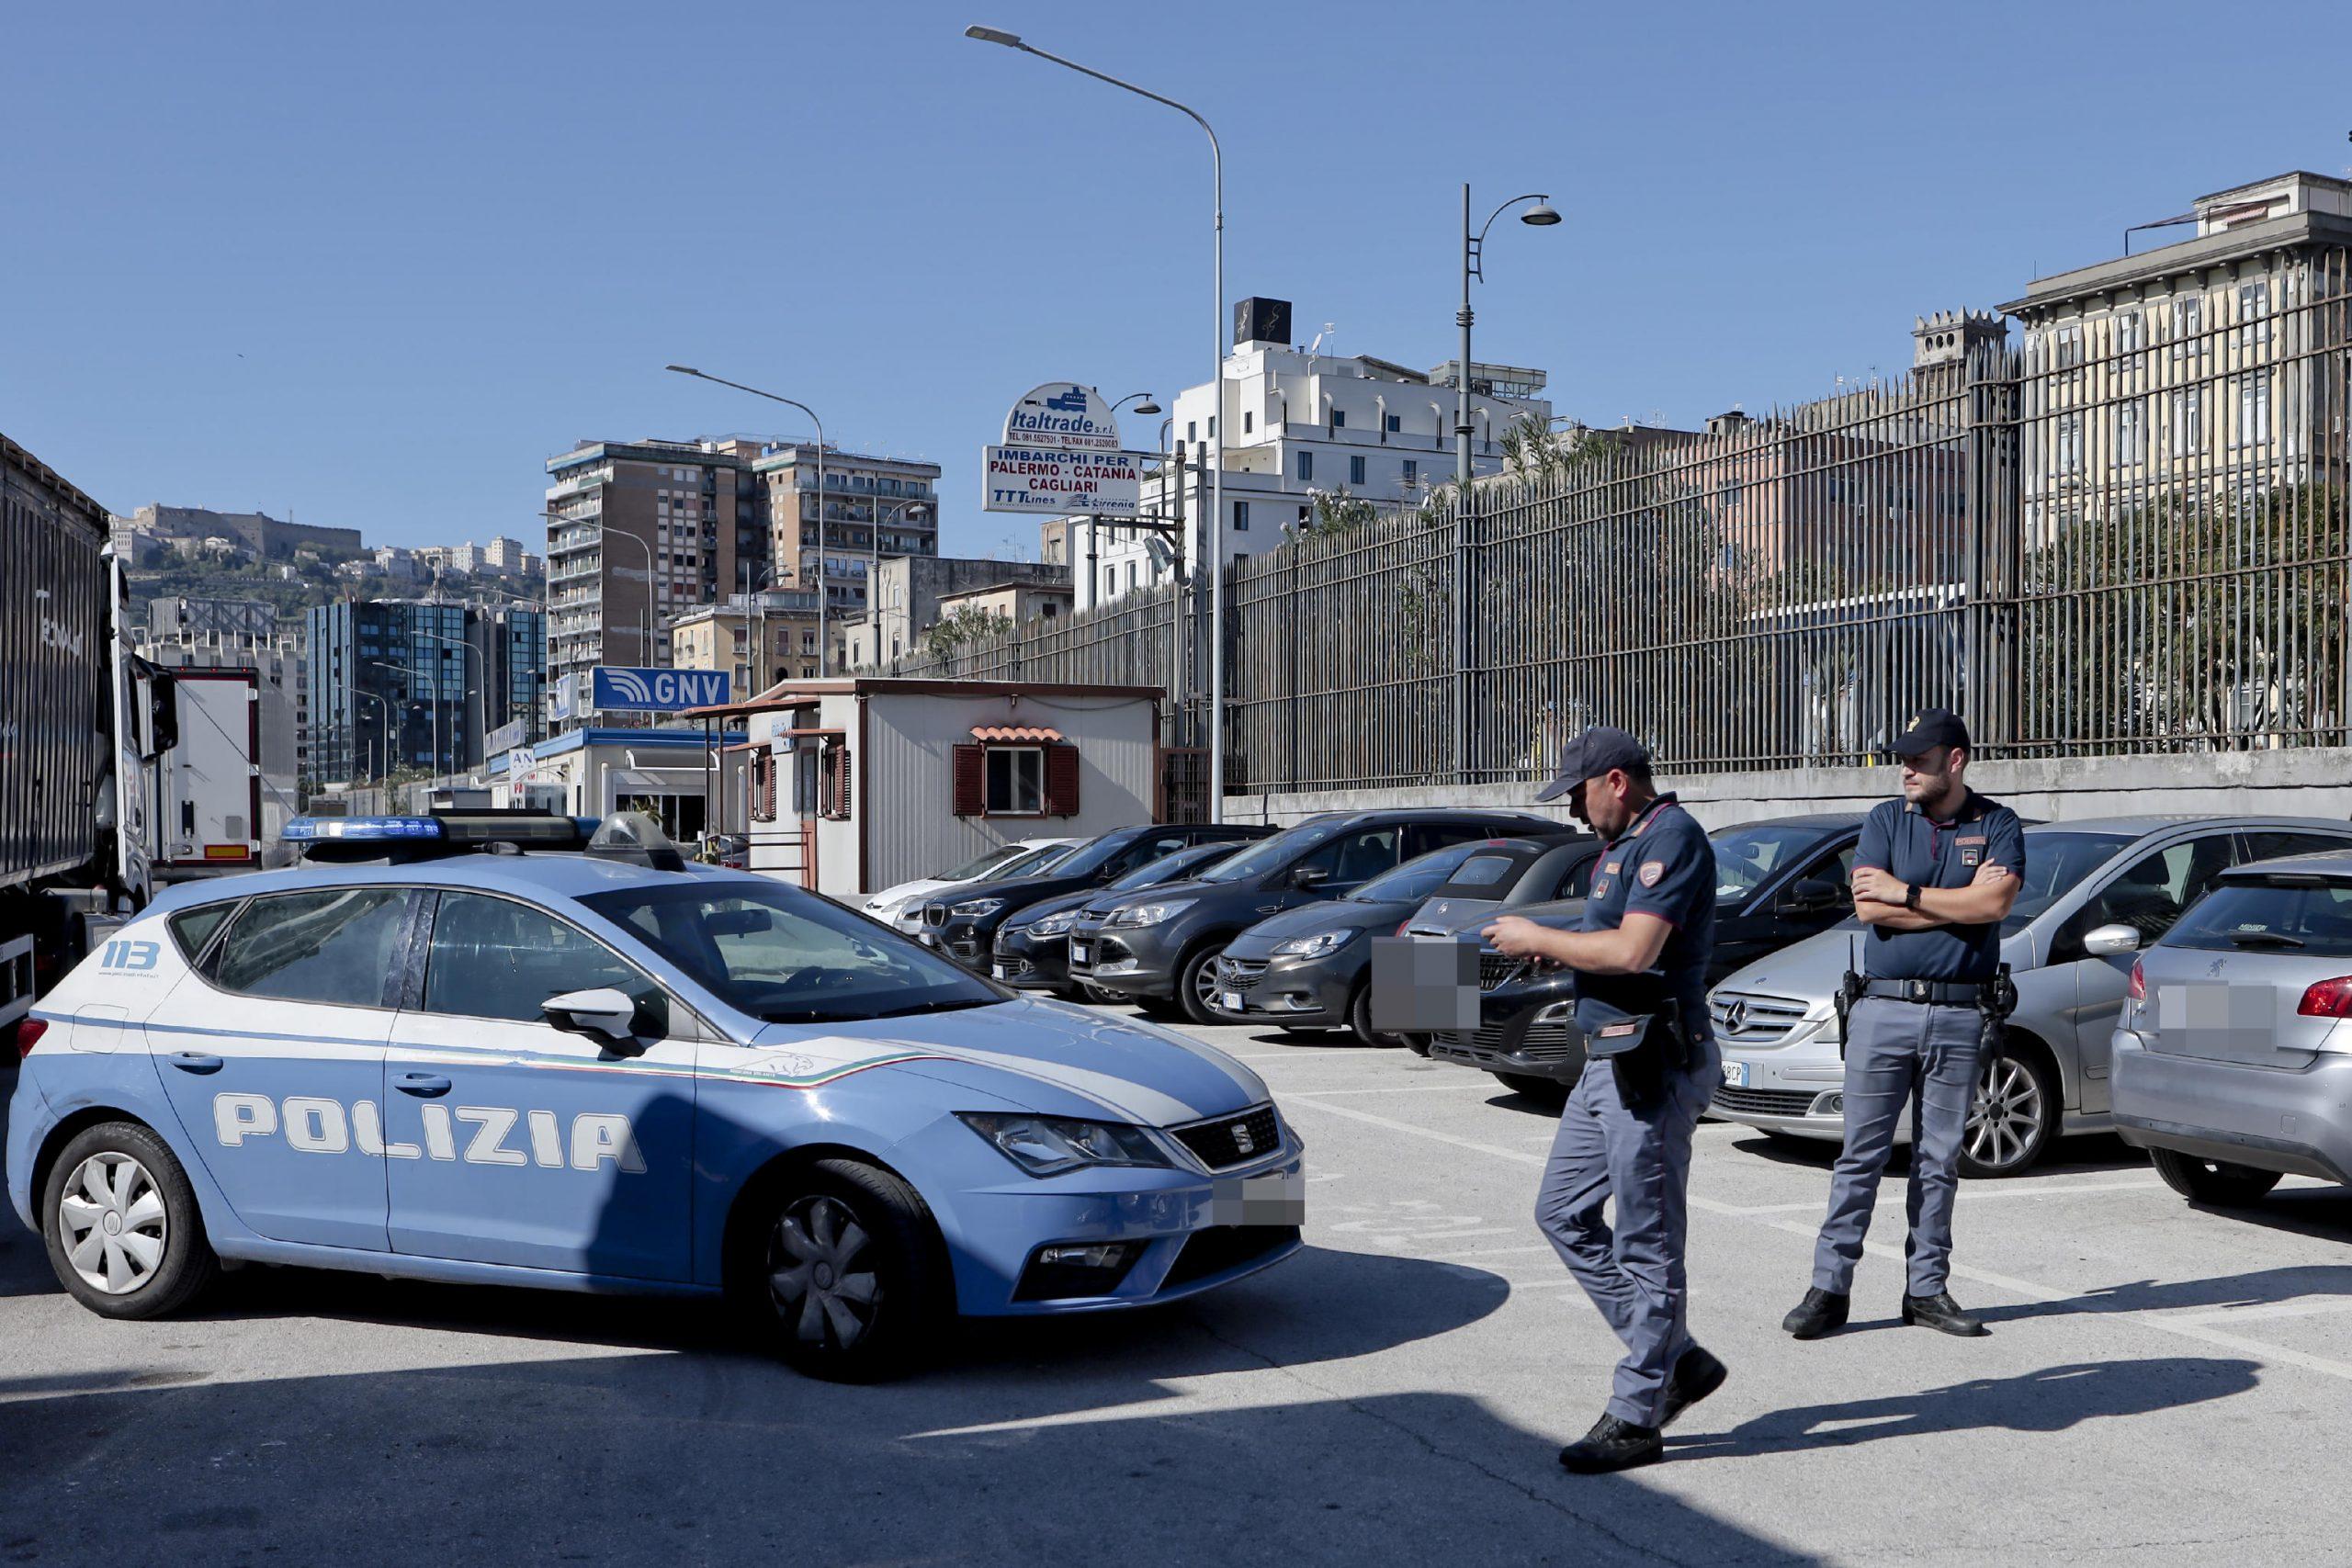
column 1551, row 1091
column 1098, row 996
column 2013, row 1117
column 1196, row 985
column 2212, row 1180
column 842, row 1266
column 1359, row 1021
column 123, row 1230
column 1418, row 1044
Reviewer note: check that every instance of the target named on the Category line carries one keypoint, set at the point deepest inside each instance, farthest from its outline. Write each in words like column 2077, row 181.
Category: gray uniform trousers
column 1899, row 1054
column 1634, row 1275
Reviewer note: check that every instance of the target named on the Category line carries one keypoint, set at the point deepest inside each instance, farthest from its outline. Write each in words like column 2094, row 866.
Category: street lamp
column 419, row 674
column 1473, row 248
column 824, row 590
column 914, row 509
column 645, row 615
column 1215, row 572
column 481, row 669
column 383, row 760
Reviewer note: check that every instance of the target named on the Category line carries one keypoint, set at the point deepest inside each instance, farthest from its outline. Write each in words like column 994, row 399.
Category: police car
column 612, row 1070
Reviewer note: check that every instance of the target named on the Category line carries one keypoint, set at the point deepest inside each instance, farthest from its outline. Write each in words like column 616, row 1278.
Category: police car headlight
column 1054, row 925
column 976, row 907
column 1048, row 1146
column 1315, row 946
column 1150, row 914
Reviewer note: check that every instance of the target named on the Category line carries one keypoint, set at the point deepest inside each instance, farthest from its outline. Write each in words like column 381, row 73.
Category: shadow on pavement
column 656, row 1459
column 2262, row 1289
column 2049, row 1400
column 2083, row 1154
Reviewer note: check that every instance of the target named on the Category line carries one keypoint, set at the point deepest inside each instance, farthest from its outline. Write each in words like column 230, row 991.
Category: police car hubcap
column 817, row 1276
column 113, row 1224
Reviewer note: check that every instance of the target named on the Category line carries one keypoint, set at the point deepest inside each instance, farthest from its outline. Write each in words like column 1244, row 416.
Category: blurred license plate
column 1735, row 1075
column 1082, row 952
column 1229, row 1000
column 1004, row 971
column 1276, row 1200
column 926, row 939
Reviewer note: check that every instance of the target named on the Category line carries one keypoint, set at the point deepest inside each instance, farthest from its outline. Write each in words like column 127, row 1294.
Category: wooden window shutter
column 763, row 786
column 969, row 771
column 1061, row 781
column 836, row 784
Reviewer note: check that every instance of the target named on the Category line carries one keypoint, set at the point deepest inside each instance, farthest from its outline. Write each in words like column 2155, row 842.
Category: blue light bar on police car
column 360, row 829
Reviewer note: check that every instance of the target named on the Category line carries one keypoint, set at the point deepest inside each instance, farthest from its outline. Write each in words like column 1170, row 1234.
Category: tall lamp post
column 1216, row 563
column 914, row 508
column 824, row 588
column 645, row 616
column 420, row 675
column 384, row 758
column 481, row 671
column 1473, row 247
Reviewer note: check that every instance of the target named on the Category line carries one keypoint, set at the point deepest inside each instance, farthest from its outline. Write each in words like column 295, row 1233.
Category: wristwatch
column 1911, row 897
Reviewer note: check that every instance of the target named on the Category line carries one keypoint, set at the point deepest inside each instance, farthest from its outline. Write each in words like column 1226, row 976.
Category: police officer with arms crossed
column 1935, row 874
column 1641, row 955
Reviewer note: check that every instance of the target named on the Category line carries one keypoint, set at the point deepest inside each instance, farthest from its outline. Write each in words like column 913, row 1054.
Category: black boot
column 1696, row 1375
column 1941, row 1313
column 1820, row 1313
column 1611, row 1445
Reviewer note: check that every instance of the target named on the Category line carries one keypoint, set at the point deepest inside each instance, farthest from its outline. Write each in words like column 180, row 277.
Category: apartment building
column 639, row 532
column 729, row 636
column 870, row 509
column 2210, row 365
column 1306, row 425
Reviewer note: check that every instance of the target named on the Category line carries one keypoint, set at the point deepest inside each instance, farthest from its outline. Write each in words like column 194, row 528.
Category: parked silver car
column 2234, row 1057
column 2096, row 891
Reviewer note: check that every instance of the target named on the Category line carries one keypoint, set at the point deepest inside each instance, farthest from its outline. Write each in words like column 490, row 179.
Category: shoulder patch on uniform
column 1651, row 871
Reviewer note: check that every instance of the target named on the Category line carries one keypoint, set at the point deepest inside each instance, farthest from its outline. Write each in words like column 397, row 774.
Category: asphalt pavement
column 2163, row 1384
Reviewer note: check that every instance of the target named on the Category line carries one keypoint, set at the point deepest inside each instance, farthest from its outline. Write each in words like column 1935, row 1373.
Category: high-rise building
column 638, row 532
column 510, row 667
column 871, row 508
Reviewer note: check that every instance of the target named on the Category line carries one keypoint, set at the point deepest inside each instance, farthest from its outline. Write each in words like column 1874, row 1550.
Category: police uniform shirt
column 1663, row 866
column 1900, row 839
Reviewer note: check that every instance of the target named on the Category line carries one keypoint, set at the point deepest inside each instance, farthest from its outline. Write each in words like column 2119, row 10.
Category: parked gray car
column 2096, row 891
column 2233, row 1058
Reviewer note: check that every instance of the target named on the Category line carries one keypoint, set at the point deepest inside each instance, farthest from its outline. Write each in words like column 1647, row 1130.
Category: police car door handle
column 426, row 1085
column 194, row 1062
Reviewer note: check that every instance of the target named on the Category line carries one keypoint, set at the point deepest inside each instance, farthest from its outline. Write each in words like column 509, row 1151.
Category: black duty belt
column 1945, row 993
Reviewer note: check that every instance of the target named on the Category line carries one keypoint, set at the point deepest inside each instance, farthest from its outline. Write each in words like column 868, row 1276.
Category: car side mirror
column 1310, row 875
column 2110, row 941
column 604, row 1014
column 1807, row 896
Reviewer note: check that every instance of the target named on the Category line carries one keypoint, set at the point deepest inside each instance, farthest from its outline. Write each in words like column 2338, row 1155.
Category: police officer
column 1934, row 876
column 1641, row 953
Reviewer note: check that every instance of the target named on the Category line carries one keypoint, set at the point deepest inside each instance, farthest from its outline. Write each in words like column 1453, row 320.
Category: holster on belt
column 1849, row 991
column 1995, row 1001
column 1642, row 1048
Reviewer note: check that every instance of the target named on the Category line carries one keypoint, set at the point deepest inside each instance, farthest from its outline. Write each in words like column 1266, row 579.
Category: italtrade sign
column 1062, row 458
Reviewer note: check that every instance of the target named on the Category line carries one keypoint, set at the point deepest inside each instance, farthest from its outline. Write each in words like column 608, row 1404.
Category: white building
column 1304, row 425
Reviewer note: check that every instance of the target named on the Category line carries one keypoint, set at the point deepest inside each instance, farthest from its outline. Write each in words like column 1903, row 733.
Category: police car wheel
column 1196, row 985
column 122, row 1222
column 2013, row 1116
column 847, row 1271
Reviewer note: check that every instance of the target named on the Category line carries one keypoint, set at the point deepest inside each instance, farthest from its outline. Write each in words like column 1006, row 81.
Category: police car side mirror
column 2110, row 941
column 603, row 1013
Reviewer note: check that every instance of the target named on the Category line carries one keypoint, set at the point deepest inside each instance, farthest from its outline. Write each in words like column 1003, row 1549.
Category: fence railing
column 2124, row 535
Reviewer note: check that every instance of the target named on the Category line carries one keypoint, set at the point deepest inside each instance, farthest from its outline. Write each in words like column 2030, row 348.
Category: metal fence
column 2123, row 535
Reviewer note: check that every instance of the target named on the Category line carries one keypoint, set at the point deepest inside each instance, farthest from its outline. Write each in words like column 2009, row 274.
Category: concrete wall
column 2308, row 782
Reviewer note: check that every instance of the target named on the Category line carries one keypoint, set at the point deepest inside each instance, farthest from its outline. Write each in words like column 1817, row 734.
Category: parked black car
column 1777, row 882
column 1033, row 947
column 963, row 925
column 1160, row 947
column 1310, row 967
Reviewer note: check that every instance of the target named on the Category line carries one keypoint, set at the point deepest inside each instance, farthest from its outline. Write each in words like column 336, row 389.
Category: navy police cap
column 1591, row 754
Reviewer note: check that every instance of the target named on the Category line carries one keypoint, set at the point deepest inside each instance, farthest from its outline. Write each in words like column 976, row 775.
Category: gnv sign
column 617, row 690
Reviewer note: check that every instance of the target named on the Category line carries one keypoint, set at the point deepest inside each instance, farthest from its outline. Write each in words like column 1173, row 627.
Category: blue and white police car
column 610, row 1070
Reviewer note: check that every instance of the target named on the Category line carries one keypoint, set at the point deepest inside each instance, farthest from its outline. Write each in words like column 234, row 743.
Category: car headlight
column 1054, row 925
column 1150, row 914
column 1315, row 946
column 1556, row 1012
column 976, row 907
column 1048, row 1146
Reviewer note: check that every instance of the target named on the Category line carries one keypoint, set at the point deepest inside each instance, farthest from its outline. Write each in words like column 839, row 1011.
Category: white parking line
column 1401, row 1088
column 2031, row 1291
column 1358, row 1052
column 1895, row 1195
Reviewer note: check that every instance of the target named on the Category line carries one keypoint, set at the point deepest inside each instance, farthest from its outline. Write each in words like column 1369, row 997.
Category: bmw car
column 616, row 1071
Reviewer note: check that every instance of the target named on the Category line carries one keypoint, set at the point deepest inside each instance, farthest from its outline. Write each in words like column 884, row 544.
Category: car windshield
column 1419, row 877
column 2055, row 865
column 983, row 863
column 2300, row 916
column 1267, row 853
column 788, row 957
column 1088, row 857
column 1029, row 862
column 1187, row 862
column 1746, row 856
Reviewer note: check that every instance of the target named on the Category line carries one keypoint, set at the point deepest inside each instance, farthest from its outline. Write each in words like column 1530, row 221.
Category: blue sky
column 374, row 265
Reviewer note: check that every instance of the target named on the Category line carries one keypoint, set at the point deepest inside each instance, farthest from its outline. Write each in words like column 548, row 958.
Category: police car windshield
column 1268, row 853
column 1418, row 879
column 787, row 959
column 1745, row 857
